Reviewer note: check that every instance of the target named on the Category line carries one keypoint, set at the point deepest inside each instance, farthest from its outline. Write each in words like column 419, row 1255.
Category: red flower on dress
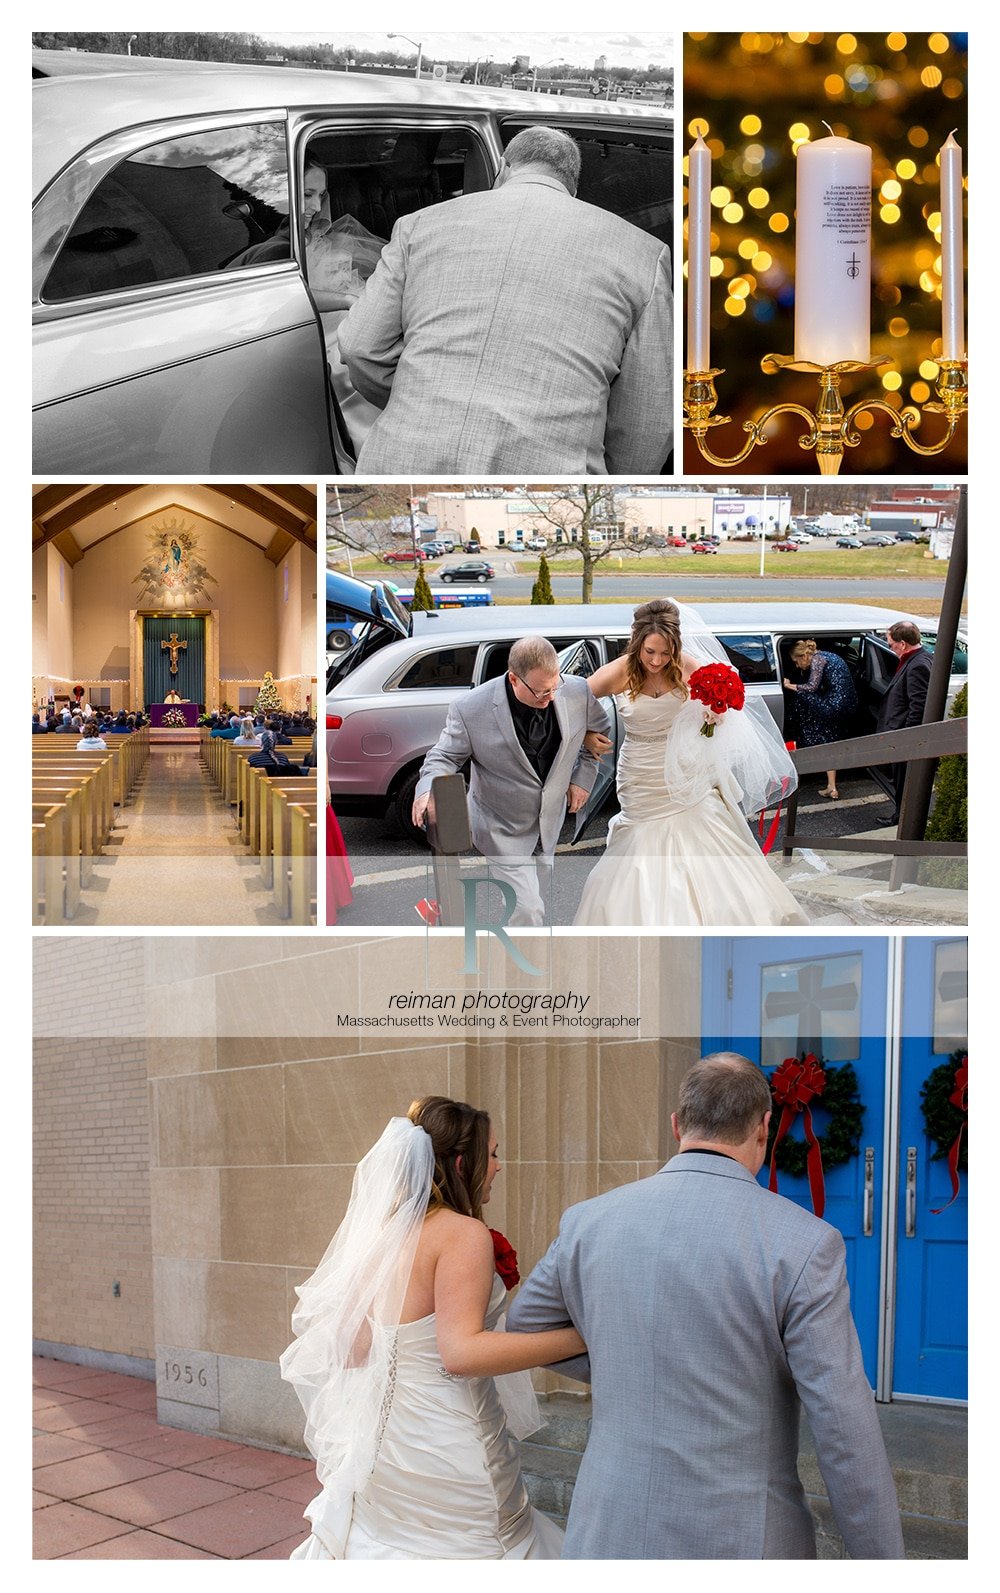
column 720, row 688
column 505, row 1260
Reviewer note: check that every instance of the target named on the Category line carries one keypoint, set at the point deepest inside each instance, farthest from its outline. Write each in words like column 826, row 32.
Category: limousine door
column 582, row 659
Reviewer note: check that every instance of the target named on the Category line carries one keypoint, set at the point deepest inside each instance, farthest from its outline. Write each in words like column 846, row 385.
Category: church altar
column 190, row 710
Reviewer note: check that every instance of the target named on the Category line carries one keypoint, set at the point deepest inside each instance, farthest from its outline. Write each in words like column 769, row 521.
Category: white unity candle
column 699, row 282
column 833, row 241
column 952, row 252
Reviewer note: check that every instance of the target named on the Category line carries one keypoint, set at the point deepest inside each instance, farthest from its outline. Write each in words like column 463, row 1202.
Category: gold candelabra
column 831, row 427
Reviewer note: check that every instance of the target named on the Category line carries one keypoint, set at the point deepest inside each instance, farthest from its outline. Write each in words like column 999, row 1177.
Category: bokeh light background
column 754, row 97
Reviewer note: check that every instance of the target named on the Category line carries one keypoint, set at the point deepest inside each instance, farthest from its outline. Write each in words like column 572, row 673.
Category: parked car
column 405, row 556
column 675, row 542
column 472, row 547
column 433, row 550
column 879, row 541
column 536, row 544
column 788, row 546
column 163, row 338
column 388, row 697
column 703, row 547
column 800, row 538
column 849, row 542
column 913, row 536
column 471, row 570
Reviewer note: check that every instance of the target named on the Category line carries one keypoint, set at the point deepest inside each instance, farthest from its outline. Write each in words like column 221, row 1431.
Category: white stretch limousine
column 388, row 695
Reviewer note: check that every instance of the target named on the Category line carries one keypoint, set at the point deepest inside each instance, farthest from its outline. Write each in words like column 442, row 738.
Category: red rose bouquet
column 505, row 1260
column 720, row 688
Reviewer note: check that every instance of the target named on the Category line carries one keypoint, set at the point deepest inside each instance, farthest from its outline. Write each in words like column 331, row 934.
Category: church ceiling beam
column 92, row 502
column 301, row 499
column 48, row 498
column 274, row 513
column 278, row 546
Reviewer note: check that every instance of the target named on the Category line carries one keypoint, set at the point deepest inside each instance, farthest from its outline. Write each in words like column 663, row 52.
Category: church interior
column 164, row 616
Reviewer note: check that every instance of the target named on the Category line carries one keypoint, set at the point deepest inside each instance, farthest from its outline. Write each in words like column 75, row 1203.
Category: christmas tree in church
column 268, row 701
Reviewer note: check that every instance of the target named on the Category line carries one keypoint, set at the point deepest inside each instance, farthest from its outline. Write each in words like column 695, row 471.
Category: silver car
column 174, row 328
column 387, row 698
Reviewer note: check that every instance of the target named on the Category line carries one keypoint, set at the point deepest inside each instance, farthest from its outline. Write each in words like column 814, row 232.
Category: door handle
column 911, row 1191
column 869, row 1206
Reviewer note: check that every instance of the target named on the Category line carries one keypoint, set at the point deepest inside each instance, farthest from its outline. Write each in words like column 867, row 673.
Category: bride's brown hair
column 460, row 1136
column 658, row 617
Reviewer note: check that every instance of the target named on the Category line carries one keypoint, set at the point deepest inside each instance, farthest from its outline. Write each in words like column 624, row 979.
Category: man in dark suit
column 903, row 703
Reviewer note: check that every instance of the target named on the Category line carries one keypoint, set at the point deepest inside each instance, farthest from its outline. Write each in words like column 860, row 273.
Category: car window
column 752, row 655
column 379, row 175
column 622, row 172
column 960, row 657
column 444, row 667
column 177, row 209
column 495, row 655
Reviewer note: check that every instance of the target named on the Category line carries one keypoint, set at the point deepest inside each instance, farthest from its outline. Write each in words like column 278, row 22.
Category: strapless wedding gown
column 674, row 860
column 447, row 1481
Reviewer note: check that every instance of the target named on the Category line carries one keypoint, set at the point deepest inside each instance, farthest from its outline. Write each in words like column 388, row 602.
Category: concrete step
column 926, row 1445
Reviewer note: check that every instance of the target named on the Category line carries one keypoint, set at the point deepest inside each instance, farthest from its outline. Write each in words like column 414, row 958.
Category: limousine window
column 960, row 657
column 176, row 209
column 624, row 172
column 752, row 655
column 381, row 174
column 496, row 656
column 444, row 667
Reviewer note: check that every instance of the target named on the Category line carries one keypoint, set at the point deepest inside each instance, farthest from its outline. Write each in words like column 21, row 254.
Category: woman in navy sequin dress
column 826, row 701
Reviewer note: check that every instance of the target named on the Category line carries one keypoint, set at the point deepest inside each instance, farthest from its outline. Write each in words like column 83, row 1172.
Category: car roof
column 84, row 98
column 582, row 617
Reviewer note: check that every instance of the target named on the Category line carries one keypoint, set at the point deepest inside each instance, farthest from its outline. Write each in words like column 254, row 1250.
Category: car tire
column 402, row 807
column 480, row 578
column 339, row 642
column 446, row 575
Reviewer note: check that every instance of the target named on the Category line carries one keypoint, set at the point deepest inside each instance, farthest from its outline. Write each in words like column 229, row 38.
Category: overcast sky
column 579, row 49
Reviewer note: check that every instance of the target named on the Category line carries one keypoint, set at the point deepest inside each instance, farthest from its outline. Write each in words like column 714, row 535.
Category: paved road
column 706, row 588
column 392, row 874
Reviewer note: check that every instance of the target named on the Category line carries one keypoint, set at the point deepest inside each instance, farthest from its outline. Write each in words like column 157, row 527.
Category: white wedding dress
column 682, row 857
column 446, row 1483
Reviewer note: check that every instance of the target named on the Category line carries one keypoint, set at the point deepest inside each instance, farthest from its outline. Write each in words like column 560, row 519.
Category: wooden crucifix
column 173, row 646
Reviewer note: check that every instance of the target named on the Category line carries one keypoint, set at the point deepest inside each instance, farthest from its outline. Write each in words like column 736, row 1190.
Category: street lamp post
column 418, row 47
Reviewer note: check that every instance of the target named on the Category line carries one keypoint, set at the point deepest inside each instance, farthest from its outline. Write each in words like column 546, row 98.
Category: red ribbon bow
column 959, row 1097
column 794, row 1084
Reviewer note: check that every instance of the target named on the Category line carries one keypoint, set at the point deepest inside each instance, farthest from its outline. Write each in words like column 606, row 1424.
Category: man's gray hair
column 546, row 146
column 905, row 631
column 531, row 652
column 723, row 1098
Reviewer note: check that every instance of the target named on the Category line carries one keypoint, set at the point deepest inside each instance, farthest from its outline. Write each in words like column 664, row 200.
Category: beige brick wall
column 254, row 1133
column 91, row 1154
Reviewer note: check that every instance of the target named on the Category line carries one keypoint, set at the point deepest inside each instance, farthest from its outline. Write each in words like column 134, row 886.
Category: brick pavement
column 111, row 1484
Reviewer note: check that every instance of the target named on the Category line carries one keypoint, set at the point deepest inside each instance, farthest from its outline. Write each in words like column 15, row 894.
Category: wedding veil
column 745, row 757
column 342, row 1361
column 342, row 1364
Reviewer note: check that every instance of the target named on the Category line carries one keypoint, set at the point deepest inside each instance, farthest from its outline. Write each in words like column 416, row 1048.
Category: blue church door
column 875, row 1012
column 930, row 1352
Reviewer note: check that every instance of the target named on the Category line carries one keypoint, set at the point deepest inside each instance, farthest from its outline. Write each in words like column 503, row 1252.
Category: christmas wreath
column 944, row 1101
column 795, row 1085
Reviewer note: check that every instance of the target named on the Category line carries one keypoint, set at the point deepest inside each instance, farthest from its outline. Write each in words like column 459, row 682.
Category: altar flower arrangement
column 719, row 688
column 175, row 719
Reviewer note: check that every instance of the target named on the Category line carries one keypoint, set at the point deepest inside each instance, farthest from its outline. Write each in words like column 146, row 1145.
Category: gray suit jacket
column 515, row 331
column 510, row 811
column 711, row 1308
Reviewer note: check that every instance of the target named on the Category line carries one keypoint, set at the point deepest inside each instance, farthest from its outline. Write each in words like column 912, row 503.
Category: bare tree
column 589, row 524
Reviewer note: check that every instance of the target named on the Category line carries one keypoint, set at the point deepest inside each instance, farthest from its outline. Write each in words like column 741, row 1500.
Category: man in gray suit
column 711, row 1310
column 516, row 330
column 524, row 737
